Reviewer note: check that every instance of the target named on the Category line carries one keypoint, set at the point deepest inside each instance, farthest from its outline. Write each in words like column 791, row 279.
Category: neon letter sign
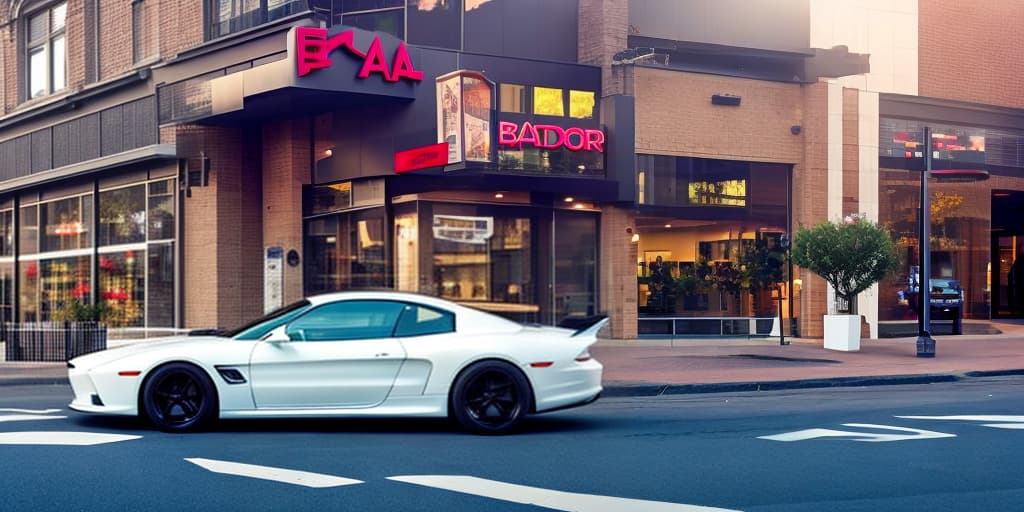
column 548, row 136
column 313, row 49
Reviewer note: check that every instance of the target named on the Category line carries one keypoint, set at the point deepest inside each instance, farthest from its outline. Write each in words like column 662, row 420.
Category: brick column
column 618, row 272
column 603, row 28
column 286, row 163
column 810, row 202
column 223, row 263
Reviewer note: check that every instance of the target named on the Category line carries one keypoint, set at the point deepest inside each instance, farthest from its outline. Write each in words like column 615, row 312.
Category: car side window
column 420, row 320
column 347, row 320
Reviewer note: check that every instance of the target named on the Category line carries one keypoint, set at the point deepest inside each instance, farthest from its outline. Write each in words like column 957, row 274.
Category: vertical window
column 548, row 102
column 145, row 30
column 46, row 51
column 229, row 16
column 513, row 98
column 6, row 265
column 581, row 104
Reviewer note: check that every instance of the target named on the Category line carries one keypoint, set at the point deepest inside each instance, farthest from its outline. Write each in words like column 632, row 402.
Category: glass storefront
column 709, row 245
column 974, row 203
column 133, row 259
column 523, row 262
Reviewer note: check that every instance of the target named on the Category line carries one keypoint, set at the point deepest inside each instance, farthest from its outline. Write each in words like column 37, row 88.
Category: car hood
column 182, row 343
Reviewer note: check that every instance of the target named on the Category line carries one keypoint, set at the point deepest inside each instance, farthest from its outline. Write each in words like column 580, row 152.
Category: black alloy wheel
column 179, row 397
column 490, row 397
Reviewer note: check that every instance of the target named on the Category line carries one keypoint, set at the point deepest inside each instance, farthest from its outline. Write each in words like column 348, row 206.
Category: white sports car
column 349, row 354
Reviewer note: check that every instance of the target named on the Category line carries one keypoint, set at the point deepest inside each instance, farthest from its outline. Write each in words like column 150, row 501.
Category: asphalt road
column 811, row 450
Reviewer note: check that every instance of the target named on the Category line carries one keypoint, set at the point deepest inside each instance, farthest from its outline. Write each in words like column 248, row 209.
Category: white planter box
column 842, row 332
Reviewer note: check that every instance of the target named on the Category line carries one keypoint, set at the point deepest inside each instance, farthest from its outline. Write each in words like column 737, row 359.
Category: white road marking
column 1007, row 422
column 868, row 437
column 287, row 476
column 62, row 438
column 31, row 411
column 27, row 417
column 557, row 500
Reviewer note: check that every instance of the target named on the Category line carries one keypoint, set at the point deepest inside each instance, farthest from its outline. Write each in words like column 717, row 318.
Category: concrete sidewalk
column 657, row 367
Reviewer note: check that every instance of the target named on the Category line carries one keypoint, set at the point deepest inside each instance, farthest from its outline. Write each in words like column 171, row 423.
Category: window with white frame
column 46, row 51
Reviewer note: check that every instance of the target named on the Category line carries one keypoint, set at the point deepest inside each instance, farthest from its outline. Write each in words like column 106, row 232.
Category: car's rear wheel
column 490, row 397
column 179, row 397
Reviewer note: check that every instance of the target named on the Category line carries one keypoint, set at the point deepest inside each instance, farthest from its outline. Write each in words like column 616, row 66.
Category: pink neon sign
column 313, row 49
column 548, row 136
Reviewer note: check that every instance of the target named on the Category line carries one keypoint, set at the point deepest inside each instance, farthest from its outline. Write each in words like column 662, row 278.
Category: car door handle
column 382, row 354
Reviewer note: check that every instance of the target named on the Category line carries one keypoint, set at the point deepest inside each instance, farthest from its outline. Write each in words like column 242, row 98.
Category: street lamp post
column 784, row 245
column 925, row 343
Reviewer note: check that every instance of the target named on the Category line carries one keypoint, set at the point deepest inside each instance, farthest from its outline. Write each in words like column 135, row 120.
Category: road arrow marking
column 31, row 411
column 557, row 500
column 868, row 437
column 287, row 476
column 1007, row 422
column 62, row 438
column 27, row 417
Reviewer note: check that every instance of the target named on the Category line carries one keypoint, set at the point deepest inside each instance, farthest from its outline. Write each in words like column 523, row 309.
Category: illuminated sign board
column 314, row 47
column 465, row 102
column 434, row 155
column 548, row 136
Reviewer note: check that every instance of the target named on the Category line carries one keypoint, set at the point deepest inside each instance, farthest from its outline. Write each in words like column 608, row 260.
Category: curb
column 621, row 389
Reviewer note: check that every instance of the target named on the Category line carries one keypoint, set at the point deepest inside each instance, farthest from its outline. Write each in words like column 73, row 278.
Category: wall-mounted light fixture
column 730, row 100
column 795, row 129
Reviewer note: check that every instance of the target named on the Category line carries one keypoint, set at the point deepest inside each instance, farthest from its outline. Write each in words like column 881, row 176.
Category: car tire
column 490, row 397
column 179, row 397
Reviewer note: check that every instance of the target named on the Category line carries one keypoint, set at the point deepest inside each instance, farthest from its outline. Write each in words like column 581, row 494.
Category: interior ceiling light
column 668, row 225
column 499, row 195
column 568, row 199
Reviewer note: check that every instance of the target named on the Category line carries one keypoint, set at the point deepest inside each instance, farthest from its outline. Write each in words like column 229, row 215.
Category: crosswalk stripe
column 557, row 500
column 31, row 411
column 62, row 438
column 27, row 417
column 287, row 476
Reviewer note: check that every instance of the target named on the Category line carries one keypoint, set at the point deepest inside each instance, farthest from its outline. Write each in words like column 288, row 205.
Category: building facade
column 196, row 163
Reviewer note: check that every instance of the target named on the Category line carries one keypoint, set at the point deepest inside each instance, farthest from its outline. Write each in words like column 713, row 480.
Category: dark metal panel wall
column 108, row 132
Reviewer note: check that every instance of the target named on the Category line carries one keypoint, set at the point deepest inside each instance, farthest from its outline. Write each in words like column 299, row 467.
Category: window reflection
column 123, row 288
column 581, row 104
column 347, row 250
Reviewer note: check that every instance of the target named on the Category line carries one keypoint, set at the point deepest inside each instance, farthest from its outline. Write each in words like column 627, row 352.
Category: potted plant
column 851, row 256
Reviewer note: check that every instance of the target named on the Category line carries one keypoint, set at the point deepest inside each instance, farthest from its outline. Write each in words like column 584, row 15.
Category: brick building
column 194, row 163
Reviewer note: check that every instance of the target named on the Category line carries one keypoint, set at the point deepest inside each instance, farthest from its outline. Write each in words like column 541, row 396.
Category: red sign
column 434, row 155
column 313, row 49
column 548, row 136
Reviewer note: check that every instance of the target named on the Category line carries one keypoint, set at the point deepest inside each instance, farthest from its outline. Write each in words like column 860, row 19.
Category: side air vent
column 230, row 375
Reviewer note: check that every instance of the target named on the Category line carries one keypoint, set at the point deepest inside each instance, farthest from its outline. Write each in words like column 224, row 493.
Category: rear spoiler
column 585, row 326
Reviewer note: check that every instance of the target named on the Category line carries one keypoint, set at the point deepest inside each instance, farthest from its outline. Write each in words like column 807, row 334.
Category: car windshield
column 945, row 286
column 258, row 328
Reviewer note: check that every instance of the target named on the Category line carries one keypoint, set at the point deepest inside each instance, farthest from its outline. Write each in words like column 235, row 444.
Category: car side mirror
column 278, row 335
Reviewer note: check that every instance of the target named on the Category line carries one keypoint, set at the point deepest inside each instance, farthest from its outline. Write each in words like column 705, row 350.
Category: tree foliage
column 850, row 256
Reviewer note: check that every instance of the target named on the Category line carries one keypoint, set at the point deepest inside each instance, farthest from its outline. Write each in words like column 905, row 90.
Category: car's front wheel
column 179, row 397
column 490, row 397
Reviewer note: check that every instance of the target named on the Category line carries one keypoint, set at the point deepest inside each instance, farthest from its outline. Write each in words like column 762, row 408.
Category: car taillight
column 583, row 356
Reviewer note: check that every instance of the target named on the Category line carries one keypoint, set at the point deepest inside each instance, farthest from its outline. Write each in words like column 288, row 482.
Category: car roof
column 470, row 319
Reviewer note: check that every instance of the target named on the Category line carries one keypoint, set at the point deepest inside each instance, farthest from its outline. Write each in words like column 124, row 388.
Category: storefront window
column 161, row 210
column 61, row 281
column 28, row 291
column 548, row 102
column 160, row 285
column 6, row 233
column 513, row 98
column 123, row 287
column 346, row 251
column 123, row 216
column 66, row 223
column 709, row 248
column 28, row 230
column 6, row 290
column 575, row 265
column 581, row 104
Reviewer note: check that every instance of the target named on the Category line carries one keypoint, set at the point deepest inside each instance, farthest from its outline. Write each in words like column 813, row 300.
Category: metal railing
column 52, row 341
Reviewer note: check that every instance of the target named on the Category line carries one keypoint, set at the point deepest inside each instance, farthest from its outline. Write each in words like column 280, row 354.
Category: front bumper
column 99, row 393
